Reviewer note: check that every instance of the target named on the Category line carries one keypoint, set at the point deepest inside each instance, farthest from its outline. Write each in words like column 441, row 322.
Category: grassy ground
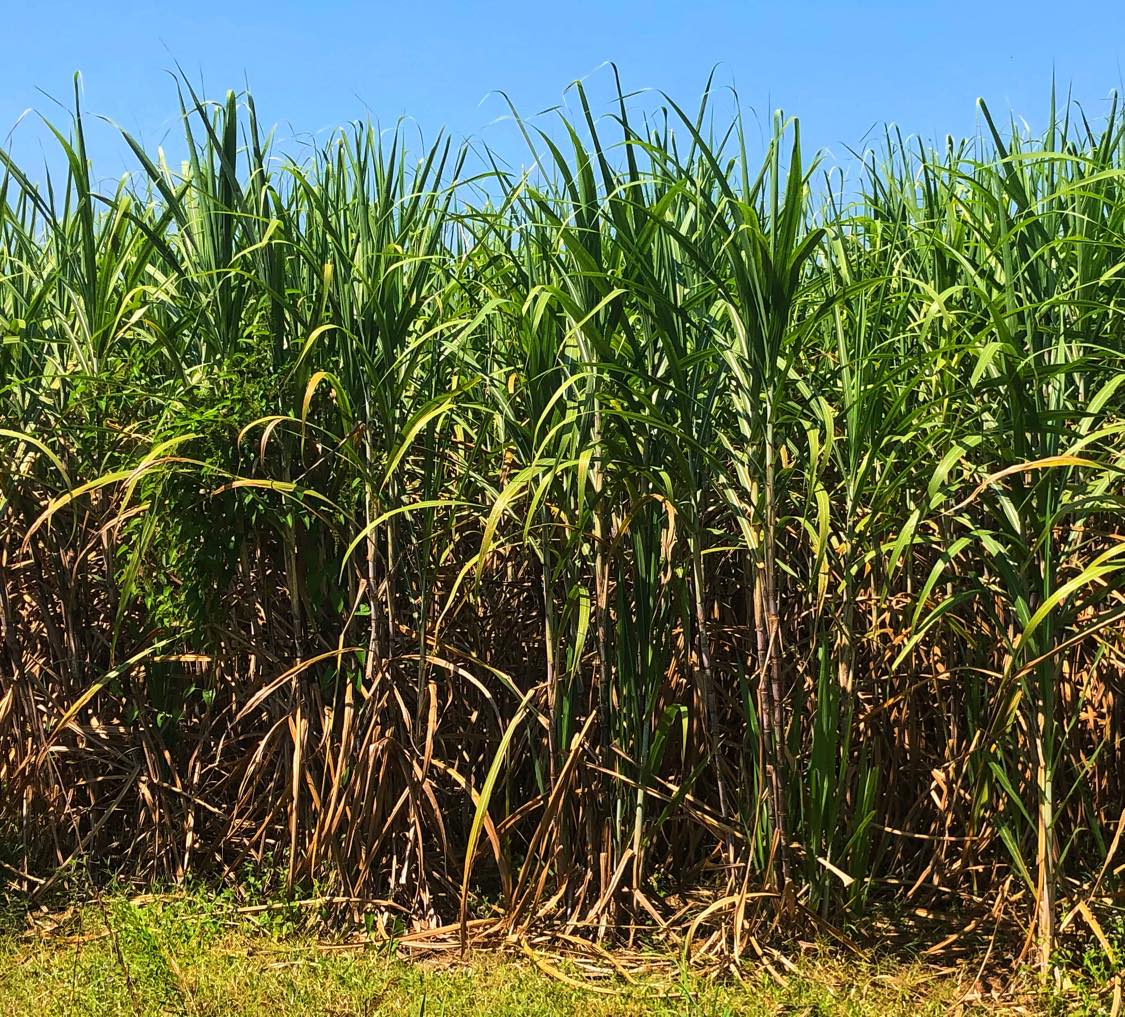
column 201, row 957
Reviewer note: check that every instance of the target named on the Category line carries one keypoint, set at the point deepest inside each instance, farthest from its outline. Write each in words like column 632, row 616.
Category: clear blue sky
column 313, row 64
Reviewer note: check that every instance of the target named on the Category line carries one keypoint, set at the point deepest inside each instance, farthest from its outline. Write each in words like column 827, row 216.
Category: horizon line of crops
column 653, row 538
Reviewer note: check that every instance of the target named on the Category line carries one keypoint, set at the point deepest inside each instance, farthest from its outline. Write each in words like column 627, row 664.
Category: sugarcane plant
column 663, row 536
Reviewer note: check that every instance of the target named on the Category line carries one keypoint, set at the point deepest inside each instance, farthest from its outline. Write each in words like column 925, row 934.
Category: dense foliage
column 663, row 529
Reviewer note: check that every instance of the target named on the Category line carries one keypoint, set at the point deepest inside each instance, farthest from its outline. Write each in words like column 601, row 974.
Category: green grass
column 198, row 956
